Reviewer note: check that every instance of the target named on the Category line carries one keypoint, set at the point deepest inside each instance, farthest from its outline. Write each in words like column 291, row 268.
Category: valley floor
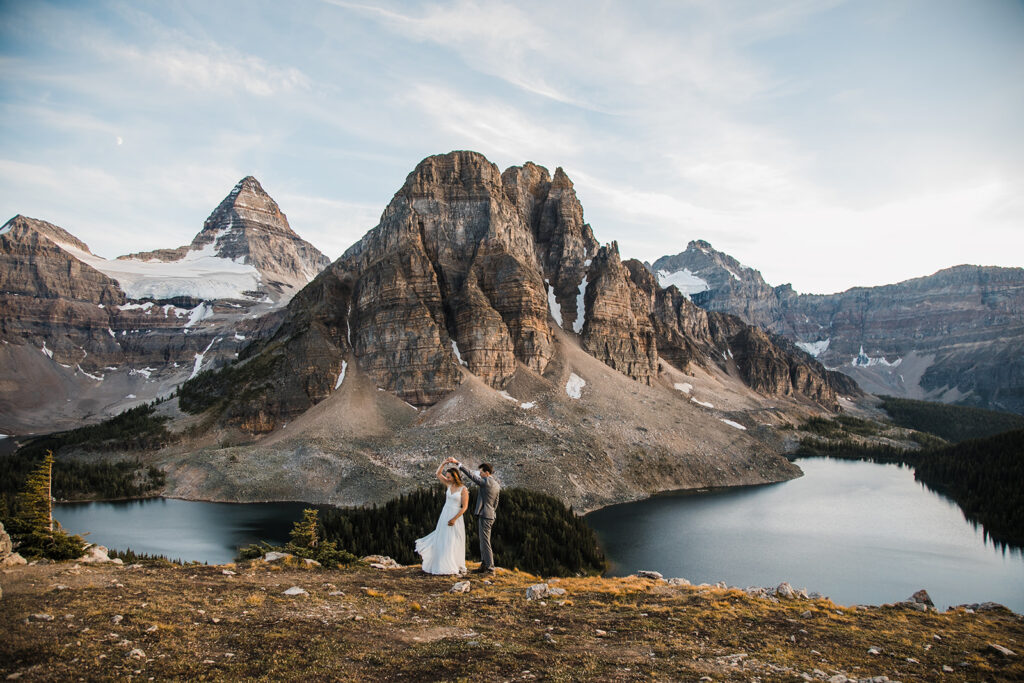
column 98, row 622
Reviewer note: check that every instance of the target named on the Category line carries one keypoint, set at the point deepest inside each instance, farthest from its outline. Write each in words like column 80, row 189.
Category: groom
column 486, row 507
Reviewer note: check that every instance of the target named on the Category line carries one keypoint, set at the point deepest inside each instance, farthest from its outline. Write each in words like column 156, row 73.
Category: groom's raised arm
column 474, row 477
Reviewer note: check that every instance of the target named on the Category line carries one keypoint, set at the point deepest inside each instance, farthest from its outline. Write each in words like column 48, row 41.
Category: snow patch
column 199, row 313
column 348, row 324
column 111, row 333
column 574, row 387
column 239, row 337
column 98, row 378
column 581, row 308
column 199, row 357
column 47, row 352
column 341, row 375
column 508, row 397
column 145, row 372
column 136, row 307
column 702, row 403
column 863, row 360
column 737, row 425
column 684, row 280
column 528, row 405
column 131, row 396
column 458, row 356
column 8, row 226
column 815, row 348
column 556, row 310
column 684, row 387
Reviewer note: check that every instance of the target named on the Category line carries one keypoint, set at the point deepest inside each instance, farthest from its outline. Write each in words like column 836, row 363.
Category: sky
column 828, row 144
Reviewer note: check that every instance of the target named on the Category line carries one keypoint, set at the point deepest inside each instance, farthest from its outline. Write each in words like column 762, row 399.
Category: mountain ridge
column 955, row 336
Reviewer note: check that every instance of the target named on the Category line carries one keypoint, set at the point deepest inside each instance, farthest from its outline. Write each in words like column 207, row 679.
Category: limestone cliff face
column 957, row 335
column 470, row 270
column 618, row 329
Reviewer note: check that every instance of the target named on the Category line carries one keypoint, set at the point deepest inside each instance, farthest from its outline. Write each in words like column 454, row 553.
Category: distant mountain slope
column 956, row 336
column 85, row 337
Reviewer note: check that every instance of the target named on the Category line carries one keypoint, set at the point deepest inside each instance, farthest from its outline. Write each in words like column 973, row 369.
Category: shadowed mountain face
column 955, row 336
column 86, row 337
column 474, row 269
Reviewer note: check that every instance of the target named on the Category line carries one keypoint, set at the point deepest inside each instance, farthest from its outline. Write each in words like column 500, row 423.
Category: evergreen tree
column 32, row 527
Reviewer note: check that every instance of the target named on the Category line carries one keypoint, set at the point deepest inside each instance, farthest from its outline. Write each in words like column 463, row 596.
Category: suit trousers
column 486, row 554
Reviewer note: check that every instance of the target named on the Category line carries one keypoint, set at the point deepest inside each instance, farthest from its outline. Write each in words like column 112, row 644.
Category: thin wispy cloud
column 791, row 134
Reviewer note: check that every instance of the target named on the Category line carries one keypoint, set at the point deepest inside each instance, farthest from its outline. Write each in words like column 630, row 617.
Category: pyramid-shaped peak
column 248, row 206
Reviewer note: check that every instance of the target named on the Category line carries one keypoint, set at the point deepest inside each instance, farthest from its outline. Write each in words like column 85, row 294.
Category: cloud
column 211, row 68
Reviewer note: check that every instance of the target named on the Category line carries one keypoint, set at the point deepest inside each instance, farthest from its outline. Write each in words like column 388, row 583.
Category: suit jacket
column 487, row 498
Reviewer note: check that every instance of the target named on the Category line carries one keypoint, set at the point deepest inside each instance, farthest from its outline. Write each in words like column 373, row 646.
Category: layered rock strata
column 472, row 270
column 956, row 335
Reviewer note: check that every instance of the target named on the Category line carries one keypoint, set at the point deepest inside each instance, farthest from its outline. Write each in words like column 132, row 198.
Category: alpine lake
column 858, row 532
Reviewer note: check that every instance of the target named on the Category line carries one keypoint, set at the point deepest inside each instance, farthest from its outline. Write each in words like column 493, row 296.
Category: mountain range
column 480, row 318
column 85, row 337
column 956, row 336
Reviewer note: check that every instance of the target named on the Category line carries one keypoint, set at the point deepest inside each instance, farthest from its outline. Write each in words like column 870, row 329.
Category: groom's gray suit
column 485, row 511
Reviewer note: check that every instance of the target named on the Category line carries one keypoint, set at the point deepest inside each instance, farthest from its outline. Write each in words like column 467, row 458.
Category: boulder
column 94, row 554
column 922, row 597
column 381, row 562
column 6, row 547
column 785, row 591
column 460, row 587
column 12, row 560
column 677, row 581
column 295, row 590
column 999, row 649
column 554, row 590
column 647, row 574
column 275, row 556
column 537, row 591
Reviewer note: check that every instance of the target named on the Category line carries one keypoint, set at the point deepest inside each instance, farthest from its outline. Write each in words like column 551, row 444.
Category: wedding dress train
column 444, row 549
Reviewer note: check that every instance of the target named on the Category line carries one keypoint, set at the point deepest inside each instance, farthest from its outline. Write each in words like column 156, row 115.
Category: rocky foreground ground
column 281, row 622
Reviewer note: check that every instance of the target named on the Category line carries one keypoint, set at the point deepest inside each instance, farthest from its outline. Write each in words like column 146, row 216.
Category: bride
column 444, row 549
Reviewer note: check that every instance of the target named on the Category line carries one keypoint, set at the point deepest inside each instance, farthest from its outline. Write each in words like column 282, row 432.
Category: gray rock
column 947, row 668
column 785, row 591
column 116, row 619
column 6, row 547
column 460, row 587
column 275, row 556
column 227, row 572
column 677, row 581
column 874, row 651
column 295, row 590
column 922, row 597
column 94, row 554
column 554, row 590
column 548, row 638
column 999, row 649
column 537, row 591
column 310, row 563
column 41, row 616
column 838, row 678
column 381, row 562
column 647, row 574
column 12, row 560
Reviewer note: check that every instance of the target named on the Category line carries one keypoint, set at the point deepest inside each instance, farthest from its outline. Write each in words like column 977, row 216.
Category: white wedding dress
column 444, row 549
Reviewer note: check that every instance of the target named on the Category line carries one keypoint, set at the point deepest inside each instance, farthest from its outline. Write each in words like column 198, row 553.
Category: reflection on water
column 858, row 532
column 180, row 529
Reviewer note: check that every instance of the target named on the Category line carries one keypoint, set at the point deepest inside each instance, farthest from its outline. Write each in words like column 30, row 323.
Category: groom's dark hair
column 486, row 467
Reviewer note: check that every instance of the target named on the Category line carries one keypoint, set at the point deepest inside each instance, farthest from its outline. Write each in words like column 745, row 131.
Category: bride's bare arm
column 465, row 506
column 440, row 477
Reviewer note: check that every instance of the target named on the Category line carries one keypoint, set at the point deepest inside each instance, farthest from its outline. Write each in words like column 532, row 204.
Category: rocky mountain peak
column 248, row 228
column 458, row 175
column 21, row 225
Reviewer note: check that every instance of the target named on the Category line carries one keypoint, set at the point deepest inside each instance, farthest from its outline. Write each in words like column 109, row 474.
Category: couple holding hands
column 444, row 549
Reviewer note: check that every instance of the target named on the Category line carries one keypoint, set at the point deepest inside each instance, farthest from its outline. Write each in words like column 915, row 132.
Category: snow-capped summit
column 246, row 247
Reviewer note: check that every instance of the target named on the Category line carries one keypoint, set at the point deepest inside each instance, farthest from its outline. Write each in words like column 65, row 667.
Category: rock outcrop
column 955, row 336
column 472, row 270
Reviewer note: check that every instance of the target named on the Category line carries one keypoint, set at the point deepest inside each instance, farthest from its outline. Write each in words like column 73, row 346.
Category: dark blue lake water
column 855, row 531
column 859, row 532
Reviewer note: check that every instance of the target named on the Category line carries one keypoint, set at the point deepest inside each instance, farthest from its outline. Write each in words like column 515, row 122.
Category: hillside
column 67, row 621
